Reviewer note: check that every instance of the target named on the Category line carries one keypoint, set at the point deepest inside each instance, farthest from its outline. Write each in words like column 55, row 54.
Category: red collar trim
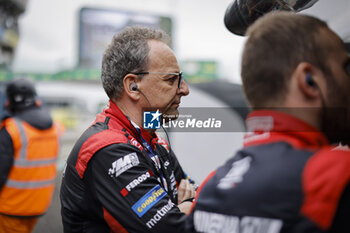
column 114, row 112
column 265, row 126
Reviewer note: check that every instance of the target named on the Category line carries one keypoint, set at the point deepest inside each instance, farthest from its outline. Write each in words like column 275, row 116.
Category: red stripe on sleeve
column 325, row 177
column 200, row 189
column 93, row 144
column 113, row 223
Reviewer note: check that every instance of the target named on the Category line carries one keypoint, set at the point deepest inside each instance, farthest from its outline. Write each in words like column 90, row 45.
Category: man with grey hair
column 287, row 178
column 120, row 176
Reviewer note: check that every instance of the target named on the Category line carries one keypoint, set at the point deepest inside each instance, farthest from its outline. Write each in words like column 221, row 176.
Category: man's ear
column 130, row 84
column 307, row 80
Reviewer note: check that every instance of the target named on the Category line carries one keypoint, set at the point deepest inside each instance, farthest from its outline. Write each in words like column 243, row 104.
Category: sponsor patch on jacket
column 160, row 214
column 121, row 165
column 148, row 200
column 135, row 182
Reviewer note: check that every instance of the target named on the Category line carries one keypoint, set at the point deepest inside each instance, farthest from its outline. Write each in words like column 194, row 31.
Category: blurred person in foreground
column 28, row 153
column 119, row 176
column 287, row 178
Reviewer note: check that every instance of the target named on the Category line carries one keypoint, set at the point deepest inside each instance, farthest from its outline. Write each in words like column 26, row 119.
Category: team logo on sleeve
column 148, row 200
column 121, row 165
column 235, row 175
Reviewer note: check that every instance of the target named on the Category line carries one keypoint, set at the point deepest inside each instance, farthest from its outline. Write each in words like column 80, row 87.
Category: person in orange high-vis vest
column 29, row 143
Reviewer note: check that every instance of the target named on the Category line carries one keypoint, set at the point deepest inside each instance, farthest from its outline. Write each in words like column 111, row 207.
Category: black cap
column 20, row 93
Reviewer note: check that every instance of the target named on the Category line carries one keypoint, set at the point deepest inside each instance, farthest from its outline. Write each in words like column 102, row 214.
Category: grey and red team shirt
column 111, row 182
column 286, row 179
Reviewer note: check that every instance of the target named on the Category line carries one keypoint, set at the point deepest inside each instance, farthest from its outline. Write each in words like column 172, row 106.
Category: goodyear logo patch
column 148, row 200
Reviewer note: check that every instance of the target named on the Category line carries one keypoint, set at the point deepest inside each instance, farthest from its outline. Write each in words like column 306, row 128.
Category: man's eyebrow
column 172, row 74
column 170, row 77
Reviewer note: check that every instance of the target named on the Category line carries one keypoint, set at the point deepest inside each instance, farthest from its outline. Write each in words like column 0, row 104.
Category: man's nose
column 183, row 90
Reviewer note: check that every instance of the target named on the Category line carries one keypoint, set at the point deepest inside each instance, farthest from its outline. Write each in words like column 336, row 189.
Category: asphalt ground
column 51, row 222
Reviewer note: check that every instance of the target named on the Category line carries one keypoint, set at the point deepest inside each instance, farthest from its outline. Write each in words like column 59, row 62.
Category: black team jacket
column 112, row 184
column 286, row 179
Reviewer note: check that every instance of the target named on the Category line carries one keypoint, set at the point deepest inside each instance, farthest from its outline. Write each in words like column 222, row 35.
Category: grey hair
column 128, row 52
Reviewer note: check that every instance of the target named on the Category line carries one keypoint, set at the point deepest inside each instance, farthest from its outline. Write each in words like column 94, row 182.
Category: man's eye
column 172, row 79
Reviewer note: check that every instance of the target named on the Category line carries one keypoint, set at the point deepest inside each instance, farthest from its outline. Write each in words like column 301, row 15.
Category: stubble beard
column 336, row 120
